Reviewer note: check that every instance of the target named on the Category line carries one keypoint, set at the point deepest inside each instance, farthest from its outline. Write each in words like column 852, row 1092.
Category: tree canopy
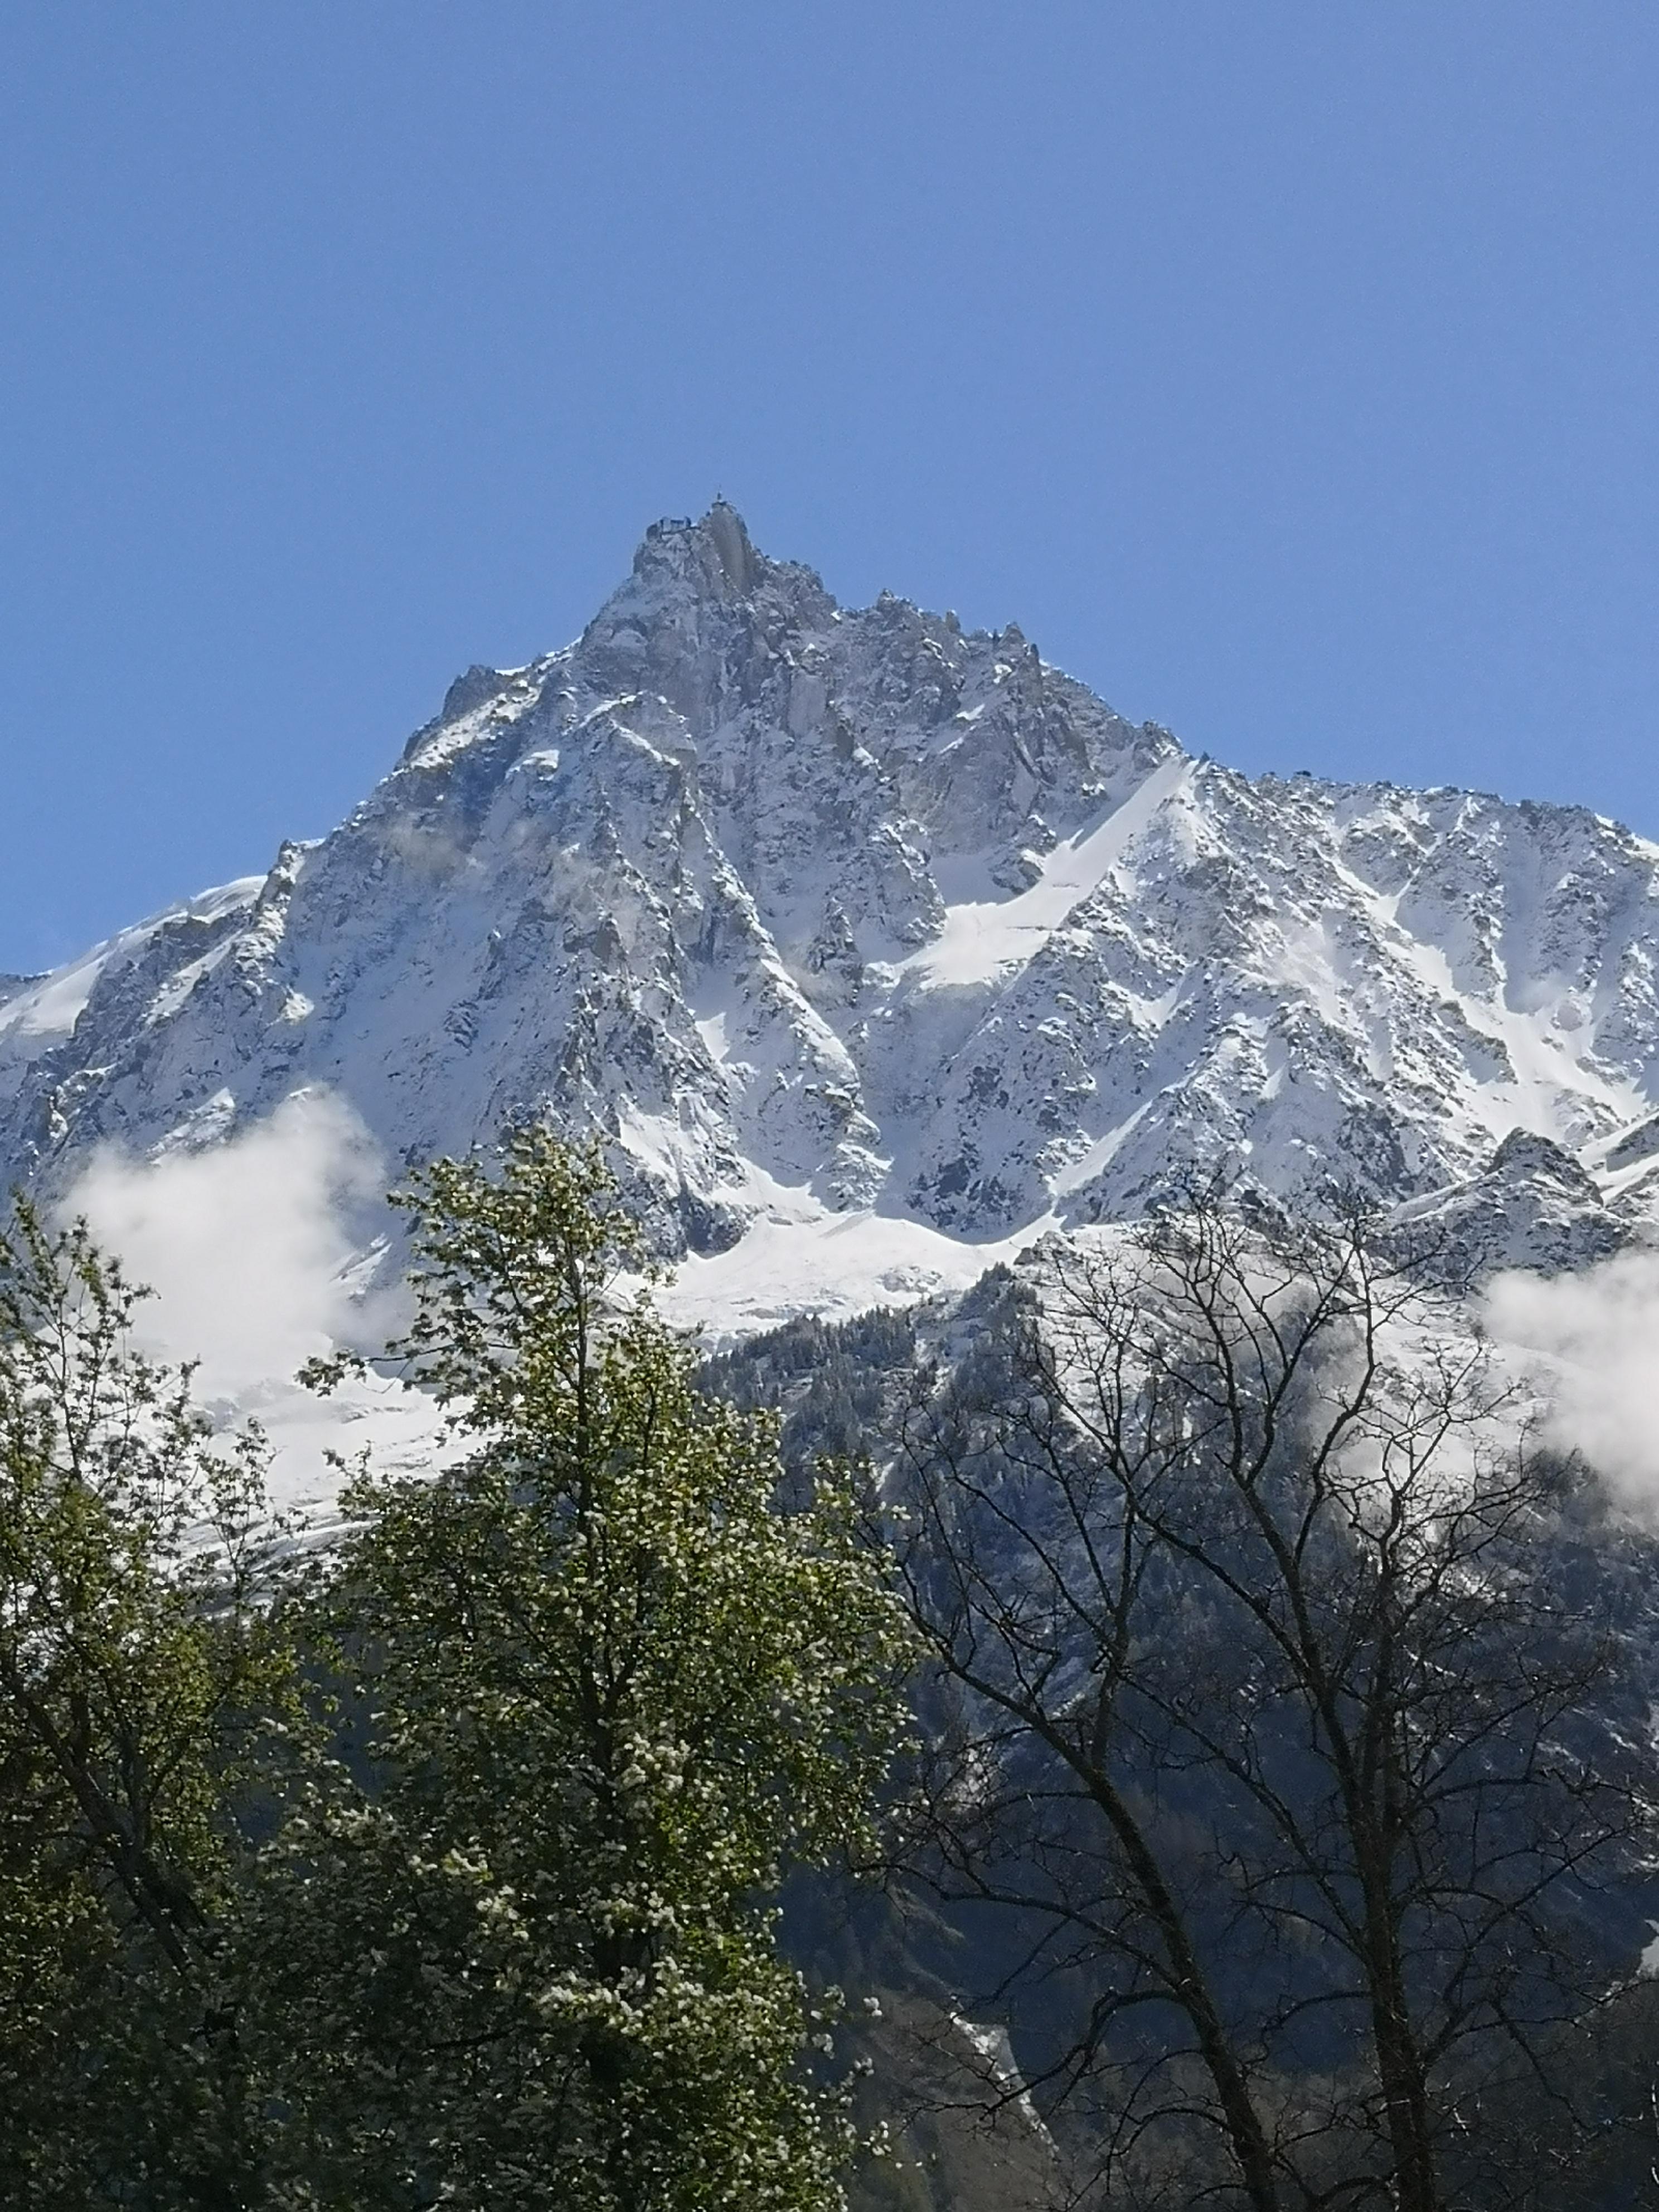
column 605, row 1688
column 140, row 1673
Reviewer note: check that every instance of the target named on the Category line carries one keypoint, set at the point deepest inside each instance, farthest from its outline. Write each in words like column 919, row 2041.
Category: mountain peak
column 699, row 593
column 809, row 908
column 716, row 555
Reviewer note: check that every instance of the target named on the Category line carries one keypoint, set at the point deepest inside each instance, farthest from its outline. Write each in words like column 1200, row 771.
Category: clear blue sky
column 1290, row 371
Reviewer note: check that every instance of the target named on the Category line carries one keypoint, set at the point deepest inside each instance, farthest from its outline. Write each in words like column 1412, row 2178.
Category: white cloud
column 254, row 1247
column 1597, row 1336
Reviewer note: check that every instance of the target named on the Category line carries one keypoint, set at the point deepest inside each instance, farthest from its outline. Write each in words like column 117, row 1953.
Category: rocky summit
column 823, row 916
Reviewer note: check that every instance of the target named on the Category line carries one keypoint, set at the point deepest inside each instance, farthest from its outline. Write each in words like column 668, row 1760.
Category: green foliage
column 136, row 1669
column 607, row 1692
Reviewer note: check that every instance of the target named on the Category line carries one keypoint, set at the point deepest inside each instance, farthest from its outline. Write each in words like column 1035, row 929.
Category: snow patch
column 828, row 1265
column 980, row 938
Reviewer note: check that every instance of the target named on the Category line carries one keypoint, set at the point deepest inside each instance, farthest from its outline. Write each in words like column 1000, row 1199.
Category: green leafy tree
column 602, row 1691
column 138, row 1661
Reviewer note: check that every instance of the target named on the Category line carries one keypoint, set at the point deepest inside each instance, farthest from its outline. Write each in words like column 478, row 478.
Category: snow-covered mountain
column 882, row 942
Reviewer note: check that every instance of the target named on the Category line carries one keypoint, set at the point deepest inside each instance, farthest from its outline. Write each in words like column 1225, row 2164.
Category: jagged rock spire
column 850, row 903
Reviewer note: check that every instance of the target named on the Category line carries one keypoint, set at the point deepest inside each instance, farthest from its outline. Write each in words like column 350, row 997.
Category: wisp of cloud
column 249, row 1245
column 1599, row 1331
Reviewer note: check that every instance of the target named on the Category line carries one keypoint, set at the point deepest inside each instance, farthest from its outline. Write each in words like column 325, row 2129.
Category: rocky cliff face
column 814, row 911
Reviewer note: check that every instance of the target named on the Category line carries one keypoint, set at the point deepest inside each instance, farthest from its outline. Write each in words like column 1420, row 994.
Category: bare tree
column 1272, row 1720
